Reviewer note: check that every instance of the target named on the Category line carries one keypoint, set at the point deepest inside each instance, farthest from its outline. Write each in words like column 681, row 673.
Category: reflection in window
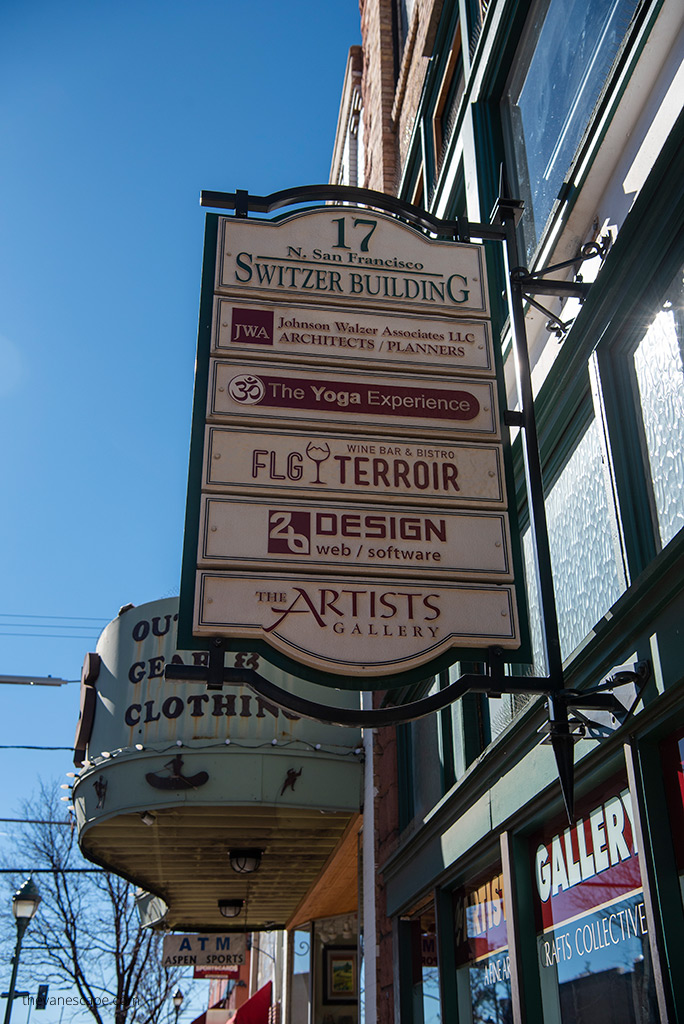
column 426, row 761
column 484, row 977
column 660, row 378
column 426, row 1001
column 592, row 941
column 301, row 985
column 672, row 754
column 554, row 91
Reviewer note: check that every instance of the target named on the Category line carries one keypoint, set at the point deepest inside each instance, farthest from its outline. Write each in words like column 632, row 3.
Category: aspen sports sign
column 344, row 357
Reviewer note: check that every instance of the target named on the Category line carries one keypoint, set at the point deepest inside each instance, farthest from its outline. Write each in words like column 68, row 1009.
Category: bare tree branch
column 86, row 931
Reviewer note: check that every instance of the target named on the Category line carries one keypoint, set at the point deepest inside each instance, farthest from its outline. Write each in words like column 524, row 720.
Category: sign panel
column 366, row 626
column 423, row 344
column 351, row 257
column 337, row 466
column 204, row 950
column 351, row 401
column 216, row 972
column 351, row 451
column 321, row 537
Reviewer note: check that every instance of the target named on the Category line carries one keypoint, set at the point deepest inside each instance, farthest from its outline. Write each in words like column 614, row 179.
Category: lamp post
column 177, row 1000
column 24, row 905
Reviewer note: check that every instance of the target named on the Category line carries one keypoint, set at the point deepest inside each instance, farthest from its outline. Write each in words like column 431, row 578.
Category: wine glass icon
column 318, row 453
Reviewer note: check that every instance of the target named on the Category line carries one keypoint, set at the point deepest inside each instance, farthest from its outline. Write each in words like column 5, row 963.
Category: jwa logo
column 252, row 326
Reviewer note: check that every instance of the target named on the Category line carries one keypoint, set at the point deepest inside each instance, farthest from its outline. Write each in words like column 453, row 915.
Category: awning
column 255, row 1010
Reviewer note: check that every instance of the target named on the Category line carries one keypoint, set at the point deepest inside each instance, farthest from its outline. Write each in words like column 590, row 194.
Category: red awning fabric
column 255, row 1010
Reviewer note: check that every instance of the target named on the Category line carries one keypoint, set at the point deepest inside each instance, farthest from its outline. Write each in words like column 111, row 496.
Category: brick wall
column 390, row 103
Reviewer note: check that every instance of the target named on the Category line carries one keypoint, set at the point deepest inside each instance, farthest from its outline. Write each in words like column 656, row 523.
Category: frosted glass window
column 660, row 378
column 585, row 574
column 586, row 579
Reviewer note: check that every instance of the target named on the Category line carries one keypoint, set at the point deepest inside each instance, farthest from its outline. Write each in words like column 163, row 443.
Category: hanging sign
column 347, row 509
column 354, row 538
column 204, row 950
column 240, row 392
column 353, row 257
column 360, row 625
column 424, row 344
column 338, row 466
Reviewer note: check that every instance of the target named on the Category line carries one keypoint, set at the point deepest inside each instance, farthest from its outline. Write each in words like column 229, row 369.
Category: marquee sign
column 347, row 506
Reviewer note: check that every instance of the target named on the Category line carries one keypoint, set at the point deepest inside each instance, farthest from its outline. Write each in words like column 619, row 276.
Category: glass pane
column 660, row 378
column 672, row 755
column 552, row 101
column 426, row 1001
column 484, row 977
column 585, row 573
column 592, row 945
column 538, row 660
column 426, row 761
column 301, row 966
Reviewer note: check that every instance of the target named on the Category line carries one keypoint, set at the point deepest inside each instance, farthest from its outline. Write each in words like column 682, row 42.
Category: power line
column 55, row 636
column 19, row 747
column 73, row 618
column 34, row 821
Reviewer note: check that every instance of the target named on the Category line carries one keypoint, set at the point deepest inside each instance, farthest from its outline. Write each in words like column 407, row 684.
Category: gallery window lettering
column 586, row 850
column 592, row 933
column 552, row 94
column 482, row 958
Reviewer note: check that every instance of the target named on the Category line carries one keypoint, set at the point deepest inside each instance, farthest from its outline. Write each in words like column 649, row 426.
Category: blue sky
column 113, row 115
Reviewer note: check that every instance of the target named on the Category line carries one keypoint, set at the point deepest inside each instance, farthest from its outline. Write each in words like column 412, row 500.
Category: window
column 656, row 362
column 560, row 70
column 448, row 101
column 420, row 753
column 584, row 562
column 426, row 1001
column 402, row 13
column 592, row 939
column 672, row 756
column 483, row 963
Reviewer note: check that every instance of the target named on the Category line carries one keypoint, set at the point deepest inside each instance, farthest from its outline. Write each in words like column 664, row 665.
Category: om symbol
column 246, row 389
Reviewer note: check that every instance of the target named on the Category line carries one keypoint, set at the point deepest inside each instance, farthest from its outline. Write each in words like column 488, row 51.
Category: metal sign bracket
column 562, row 731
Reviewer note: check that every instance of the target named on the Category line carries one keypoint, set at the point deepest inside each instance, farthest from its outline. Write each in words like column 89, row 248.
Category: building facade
column 491, row 905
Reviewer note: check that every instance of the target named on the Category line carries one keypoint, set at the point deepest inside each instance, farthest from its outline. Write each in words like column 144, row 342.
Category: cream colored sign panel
column 330, row 466
column 363, row 625
column 352, row 401
column 318, row 335
column 350, row 257
column 320, row 537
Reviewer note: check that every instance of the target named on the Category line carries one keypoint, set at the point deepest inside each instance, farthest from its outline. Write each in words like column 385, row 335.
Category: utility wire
column 73, row 618
column 9, row 746
column 56, row 636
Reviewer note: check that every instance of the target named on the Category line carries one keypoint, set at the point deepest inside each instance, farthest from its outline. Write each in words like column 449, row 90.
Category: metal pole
column 561, row 738
column 22, row 924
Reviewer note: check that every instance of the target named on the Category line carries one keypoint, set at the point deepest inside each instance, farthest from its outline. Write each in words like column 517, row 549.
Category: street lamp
column 177, row 1000
column 24, row 905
